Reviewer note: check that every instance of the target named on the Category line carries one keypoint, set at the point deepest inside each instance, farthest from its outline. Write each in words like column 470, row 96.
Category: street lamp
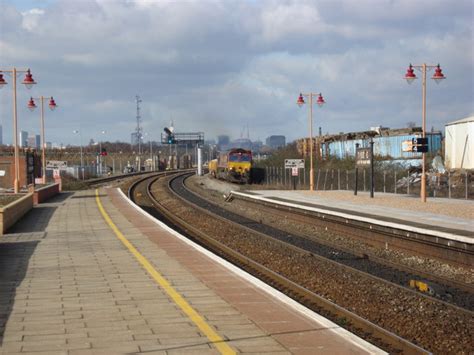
column 300, row 102
column 28, row 82
column 100, row 152
column 52, row 106
column 410, row 76
column 82, row 159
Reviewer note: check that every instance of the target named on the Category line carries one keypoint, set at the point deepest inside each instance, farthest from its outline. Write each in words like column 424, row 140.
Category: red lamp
column 410, row 75
column 28, row 81
column 320, row 100
column 31, row 104
column 438, row 75
column 300, row 102
column 52, row 104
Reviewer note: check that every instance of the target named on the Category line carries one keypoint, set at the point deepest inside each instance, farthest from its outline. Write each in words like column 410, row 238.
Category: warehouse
column 459, row 144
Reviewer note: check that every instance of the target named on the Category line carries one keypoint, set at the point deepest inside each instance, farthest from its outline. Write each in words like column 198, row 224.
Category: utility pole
column 138, row 129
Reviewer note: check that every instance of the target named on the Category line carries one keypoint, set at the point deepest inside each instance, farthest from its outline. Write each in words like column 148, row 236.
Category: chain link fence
column 459, row 184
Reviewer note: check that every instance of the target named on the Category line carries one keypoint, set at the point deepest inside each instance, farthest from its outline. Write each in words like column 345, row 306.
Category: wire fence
column 451, row 185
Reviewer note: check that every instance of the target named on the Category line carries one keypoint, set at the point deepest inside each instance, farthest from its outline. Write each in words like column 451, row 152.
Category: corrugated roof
column 464, row 120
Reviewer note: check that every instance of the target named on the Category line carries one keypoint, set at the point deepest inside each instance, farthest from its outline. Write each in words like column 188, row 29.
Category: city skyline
column 217, row 67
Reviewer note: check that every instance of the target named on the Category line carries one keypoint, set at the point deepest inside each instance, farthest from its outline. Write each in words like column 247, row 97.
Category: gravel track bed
column 214, row 190
column 433, row 326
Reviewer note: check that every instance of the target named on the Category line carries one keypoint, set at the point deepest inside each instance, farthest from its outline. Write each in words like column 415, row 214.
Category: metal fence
column 450, row 185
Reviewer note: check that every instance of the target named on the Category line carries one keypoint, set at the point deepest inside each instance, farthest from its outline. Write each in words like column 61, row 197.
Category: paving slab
column 68, row 285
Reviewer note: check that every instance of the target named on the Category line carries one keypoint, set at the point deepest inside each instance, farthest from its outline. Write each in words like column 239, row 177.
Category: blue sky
column 218, row 66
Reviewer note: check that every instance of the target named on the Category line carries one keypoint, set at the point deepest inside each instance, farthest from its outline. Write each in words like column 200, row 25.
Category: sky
column 233, row 67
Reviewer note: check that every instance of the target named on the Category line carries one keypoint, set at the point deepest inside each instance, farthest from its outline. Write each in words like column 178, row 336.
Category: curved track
column 405, row 311
column 454, row 293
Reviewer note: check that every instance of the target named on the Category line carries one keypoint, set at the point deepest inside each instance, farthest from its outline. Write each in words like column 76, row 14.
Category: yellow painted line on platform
column 213, row 337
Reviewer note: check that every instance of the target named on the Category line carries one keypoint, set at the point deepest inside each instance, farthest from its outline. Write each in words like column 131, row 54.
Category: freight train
column 234, row 165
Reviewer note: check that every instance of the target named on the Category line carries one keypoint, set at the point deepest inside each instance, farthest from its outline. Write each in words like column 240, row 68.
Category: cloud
column 215, row 66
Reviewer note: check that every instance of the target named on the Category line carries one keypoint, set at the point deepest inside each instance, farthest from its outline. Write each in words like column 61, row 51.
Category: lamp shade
column 28, row 81
column 438, row 75
column 320, row 100
column 52, row 104
column 31, row 104
column 410, row 75
column 300, row 102
column 2, row 81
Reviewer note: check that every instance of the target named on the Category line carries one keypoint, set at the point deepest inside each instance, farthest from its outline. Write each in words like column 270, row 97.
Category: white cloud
column 214, row 65
column 31, row 18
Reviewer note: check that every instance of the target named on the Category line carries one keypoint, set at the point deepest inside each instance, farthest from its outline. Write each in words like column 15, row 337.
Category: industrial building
column 387, row 143
column 459, row 144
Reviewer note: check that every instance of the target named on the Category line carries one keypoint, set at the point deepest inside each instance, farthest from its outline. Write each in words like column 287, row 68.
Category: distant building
column 49, row 145
column 223, row 140
column 23, row 139
column 34, row 141
column 388, row 143
column 276, row 141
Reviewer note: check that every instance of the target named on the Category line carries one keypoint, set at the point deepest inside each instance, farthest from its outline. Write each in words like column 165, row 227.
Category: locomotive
column 234, row 165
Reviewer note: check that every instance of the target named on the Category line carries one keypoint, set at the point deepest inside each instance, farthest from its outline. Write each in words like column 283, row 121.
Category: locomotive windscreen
column 240, row 157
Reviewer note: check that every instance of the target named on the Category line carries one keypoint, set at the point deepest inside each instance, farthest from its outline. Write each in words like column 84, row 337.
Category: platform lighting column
column 100, row 152
column 82, row 156
column 28, row 82
column 52, row 106
column 410, row 76
column 300, row 102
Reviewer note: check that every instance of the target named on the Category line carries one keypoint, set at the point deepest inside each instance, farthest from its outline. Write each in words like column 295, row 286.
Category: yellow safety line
column 213, row 337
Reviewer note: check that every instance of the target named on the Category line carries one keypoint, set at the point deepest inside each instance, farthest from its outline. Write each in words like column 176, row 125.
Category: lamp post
column 52, row 106
column 100, row 152
column 410, row 76
column 28, row 82
column 82, row 159
column 300, row 102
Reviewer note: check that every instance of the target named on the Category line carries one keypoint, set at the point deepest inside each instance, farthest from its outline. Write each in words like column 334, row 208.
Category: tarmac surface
column 87, row 274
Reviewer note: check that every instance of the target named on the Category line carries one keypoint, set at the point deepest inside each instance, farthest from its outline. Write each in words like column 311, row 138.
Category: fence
column 451, row 185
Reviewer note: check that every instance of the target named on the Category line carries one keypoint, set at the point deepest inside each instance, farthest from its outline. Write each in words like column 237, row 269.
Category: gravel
column 436, row 327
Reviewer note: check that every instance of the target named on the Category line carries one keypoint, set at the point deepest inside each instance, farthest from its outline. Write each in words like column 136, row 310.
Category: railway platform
column 89, row 273
column 439, row 216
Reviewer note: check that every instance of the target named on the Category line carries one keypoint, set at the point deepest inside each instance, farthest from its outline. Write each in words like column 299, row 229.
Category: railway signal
column 170, row 138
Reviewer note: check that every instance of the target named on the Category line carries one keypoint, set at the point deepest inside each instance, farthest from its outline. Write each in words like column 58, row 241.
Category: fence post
column 338, row 179
column 364, row 180
column 467, row 185
column 347, row 179
column 408, row 182
column 449, row 184
column 384, row 178
column 395, row 181
column 325, row 179
column 304, row 177
column 332, row 178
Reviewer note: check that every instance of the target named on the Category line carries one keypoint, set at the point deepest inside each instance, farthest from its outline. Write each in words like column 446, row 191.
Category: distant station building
column 388, row 143
column 459, row 144
column 275, row 142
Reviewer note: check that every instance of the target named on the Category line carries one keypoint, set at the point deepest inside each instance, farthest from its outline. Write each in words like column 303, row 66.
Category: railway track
column 301, row 291
column 452, row 292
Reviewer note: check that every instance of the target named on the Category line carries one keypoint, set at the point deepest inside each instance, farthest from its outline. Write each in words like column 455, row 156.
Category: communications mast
column 138, row 130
